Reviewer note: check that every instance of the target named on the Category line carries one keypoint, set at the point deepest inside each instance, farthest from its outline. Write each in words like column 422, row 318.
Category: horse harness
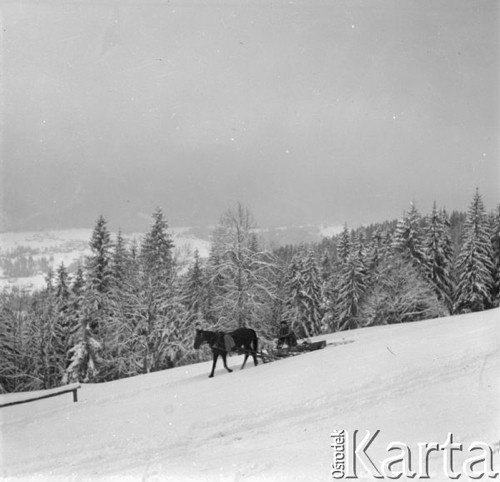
column 223, row 341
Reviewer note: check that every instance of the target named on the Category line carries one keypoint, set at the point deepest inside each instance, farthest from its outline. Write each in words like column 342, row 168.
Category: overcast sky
column 306, row 111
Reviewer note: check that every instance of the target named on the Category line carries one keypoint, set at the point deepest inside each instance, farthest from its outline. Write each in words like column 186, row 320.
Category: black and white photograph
column 249, row 240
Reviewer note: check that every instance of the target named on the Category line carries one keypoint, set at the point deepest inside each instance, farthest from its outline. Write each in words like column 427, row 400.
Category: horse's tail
column 255, row 343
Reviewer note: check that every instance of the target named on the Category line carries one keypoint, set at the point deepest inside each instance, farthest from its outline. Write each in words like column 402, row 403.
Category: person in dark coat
column 286, row 335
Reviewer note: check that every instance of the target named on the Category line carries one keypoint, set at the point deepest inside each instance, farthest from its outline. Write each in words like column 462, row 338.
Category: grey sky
column 317, row 111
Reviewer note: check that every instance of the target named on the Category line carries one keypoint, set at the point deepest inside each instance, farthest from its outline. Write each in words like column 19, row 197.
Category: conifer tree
column 408, row 236
column 120, row 262
column 98, row 276
column 150, row 298
column 278, row 305
column 194, row 292
column 312, row 314
column 325, row 267
column 156, row 251
column 77, row 295
column 439, row 255
column 62, row 288
column 457, row 225
column 327, row 293
column 375, row 252
column 330, row 300
column 43, row 347
column 495, row 243
column 49, row 281
column 65, row 314
column 15, row 364
column 92, row 309
column 149, row 320
column 352, row 285
column 78, row 284
column 150, row 333
column 98, row 264
column 475, row 262
column 293, row 288
column 344, row 245
column 304, row 294
column 86, row 350
column 124, row 279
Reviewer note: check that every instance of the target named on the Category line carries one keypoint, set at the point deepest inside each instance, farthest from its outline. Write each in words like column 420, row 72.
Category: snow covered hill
column 415, row 382
column 70, row 246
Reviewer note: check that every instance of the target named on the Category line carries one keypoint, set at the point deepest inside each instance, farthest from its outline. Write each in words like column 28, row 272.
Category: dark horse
column 245, row 339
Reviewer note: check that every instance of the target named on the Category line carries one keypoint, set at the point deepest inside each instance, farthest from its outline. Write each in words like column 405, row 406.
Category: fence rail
column 39, row 396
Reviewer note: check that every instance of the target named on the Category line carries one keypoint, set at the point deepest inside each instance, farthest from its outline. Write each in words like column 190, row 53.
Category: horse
column 244, row 338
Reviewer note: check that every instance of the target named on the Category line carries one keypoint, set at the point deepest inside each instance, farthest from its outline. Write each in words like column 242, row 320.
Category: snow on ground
column 415, row 382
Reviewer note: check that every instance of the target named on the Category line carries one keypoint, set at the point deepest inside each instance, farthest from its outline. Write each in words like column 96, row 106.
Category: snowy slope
column 415, row 382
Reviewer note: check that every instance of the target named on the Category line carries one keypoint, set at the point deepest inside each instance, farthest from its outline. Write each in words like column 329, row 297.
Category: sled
column 307, row 346
column 285, row 352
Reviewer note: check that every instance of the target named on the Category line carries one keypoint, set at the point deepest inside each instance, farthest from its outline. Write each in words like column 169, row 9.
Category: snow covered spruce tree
column 15, row 367
column 194, row 291
column 475, row 284
column 352, row 284
column 124, row 280
column 149, row 321
column 66, row 313
column 494, row 220
column 93, row 305
column 439, row 255
column 408, row 237
column 98, row 274
column 38, row 333
column 78, row 283
column 156, row 253
column 49, row 281
column 328, row 272
column 44, row 344
column 121, row 263
column 279, row 302
column 304, row 295
column 293, row 286
column 312, row 289
column 344, row 245
column 86, row 351
column 62, row 288
column 150, row 302
column 376, row 250
column 240, row 273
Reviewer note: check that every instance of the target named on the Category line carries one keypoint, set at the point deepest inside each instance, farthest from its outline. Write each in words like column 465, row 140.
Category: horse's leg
column 254, row 350
column 224, row 356
column 215, row 356
column 245, row 360
column 255, row 362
